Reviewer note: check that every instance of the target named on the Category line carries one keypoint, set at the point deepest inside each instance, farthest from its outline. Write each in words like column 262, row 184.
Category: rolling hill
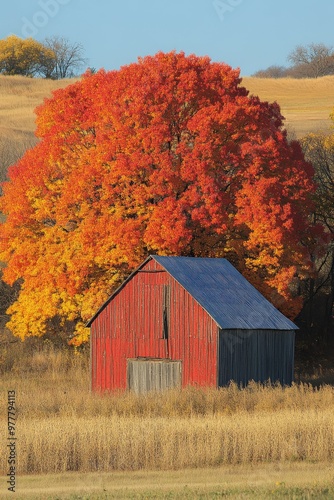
column 306, row 104
column 19, row 96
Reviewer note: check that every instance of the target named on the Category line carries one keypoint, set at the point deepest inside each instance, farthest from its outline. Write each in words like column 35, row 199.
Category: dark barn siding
column 257, row 355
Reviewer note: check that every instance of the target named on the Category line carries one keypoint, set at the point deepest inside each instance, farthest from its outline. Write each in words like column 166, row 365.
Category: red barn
column 183, row 320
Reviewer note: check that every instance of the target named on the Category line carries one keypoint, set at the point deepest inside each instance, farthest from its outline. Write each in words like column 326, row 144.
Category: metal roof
column 231, row 301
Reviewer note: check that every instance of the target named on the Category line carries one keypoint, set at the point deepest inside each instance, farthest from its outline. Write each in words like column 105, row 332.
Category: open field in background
column 19, row 96
column 306, row 103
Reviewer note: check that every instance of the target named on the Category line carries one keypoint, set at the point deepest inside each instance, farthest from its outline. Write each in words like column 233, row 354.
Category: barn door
column 152, row 336
column 145, row 375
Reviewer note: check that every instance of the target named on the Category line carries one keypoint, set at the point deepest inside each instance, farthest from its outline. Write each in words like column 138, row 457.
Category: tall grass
column 62, row 426
column 132, row 443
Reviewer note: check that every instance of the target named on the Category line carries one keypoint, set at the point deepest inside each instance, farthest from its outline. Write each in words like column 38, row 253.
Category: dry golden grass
column 305, row 103
column 62, row 427
column 86, row 444
column 19, row 96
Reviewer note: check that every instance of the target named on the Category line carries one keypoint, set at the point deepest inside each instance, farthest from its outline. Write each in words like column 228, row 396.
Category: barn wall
column 133, row 325
column 258, row 355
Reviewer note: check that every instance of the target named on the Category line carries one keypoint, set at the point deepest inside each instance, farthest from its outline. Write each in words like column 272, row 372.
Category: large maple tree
column 169, row 155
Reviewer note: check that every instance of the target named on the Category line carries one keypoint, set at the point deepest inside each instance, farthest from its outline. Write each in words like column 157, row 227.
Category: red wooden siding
column 131, row 325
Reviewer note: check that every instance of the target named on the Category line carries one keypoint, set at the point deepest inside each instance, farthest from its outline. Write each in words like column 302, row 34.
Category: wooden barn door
column 152, row 336
column 145, row 375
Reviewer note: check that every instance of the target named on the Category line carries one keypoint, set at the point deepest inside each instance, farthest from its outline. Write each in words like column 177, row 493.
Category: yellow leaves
column 54, row 185
column 38, row 202
column 67, row 306
column 81, row 335
column 30, row 312
column 24, row 56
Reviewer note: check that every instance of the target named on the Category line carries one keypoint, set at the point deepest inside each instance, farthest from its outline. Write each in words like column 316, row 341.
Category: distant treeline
column 307, row 61
column 55, row 58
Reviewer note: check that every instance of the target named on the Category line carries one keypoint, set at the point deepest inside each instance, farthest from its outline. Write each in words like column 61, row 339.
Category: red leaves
column 168, row 155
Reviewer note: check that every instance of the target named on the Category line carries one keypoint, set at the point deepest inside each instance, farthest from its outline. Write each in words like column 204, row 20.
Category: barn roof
column 231, row 301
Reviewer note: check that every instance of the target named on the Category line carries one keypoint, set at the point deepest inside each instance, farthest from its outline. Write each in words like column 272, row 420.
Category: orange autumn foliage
column 169, row 155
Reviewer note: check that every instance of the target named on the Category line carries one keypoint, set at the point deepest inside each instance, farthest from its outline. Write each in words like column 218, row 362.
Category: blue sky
column 249, row 34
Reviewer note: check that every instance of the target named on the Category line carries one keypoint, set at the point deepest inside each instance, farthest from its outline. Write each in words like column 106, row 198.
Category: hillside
column 306, row 104
column 19, row 96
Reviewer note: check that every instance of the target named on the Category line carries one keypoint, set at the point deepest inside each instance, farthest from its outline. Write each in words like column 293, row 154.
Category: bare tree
column 68, row 57
column 313, row 60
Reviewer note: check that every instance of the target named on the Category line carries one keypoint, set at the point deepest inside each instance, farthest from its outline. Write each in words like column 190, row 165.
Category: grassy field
column 305, row 103
column 19, row 96
column 260, row 482
column 181, row 444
